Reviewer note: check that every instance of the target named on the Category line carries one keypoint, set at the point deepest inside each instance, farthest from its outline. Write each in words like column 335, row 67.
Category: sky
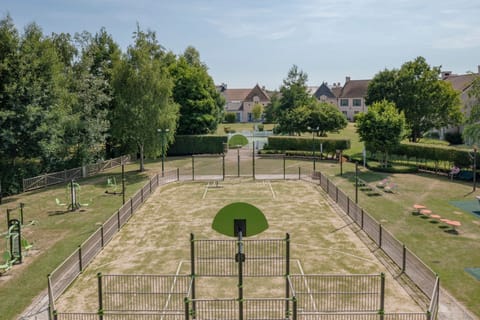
column 245, row 42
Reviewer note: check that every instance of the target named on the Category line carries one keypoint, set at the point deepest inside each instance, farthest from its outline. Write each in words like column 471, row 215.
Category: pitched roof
column 236, row 94
column 259, row 92
column 336, row 91
column 324, row 90
column 354, row 89
column 461, row 82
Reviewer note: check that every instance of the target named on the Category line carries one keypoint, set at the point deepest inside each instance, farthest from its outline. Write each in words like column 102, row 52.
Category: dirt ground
column 156, row 239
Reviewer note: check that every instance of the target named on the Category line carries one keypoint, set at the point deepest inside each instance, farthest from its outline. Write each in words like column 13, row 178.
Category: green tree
column 272, row 109
column 201, row 106
column 294, row 105
column 471, row 131
column 381, row 128
column 257, row 111
column 326, row 117
column 143, row 97
column 416, row 89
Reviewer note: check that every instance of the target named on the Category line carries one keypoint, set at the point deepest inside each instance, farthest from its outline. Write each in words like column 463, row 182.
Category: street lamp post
column 313, row 143
column 163, row 132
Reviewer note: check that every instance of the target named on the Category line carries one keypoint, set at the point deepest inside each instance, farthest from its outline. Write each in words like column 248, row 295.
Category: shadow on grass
column 451, row 231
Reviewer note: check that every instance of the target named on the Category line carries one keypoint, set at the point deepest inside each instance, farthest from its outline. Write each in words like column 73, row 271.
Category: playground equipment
column 112, row 185
column 73, row 188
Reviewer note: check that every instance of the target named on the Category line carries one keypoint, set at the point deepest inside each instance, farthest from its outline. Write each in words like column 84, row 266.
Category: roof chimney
column 446, row 74
column 347, row 79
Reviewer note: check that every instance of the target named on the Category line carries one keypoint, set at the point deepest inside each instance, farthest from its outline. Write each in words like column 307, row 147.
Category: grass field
column 155, row 241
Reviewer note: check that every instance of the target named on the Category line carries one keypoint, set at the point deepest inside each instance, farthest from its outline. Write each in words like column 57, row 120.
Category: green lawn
column 57, row 234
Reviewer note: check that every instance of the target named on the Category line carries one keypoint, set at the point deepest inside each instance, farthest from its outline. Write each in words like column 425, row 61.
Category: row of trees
column 410, row 101
column 67, row 100
column 295, row 110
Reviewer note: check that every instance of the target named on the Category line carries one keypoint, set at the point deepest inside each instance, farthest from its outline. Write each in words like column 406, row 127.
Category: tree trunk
column 142, row 165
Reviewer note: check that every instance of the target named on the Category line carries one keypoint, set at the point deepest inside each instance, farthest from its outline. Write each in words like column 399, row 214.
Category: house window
column 250, row 117
column 239, row 117
column 256, row 99
column 357, row 102
column 343, row 102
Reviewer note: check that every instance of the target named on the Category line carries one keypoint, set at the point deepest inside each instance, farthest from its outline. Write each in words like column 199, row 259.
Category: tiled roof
column 461, row 82
column 259, row 92
column 354, row 89
column 336, row 91
column 324, row 90
column 236, row 94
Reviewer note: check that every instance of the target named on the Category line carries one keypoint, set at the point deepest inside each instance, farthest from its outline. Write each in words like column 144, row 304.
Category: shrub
column 230, row 117
column 260, row 127
column 392, row 168
column 303, row 143
column 197, row 144
column 237, row 140
column 454, row 138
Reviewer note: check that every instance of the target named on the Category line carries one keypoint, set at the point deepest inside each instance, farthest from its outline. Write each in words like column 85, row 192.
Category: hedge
column 305, row 144
column 197, row 144
column 435, row 153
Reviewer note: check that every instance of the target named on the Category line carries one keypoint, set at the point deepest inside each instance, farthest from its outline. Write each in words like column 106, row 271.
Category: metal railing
column 49, row 179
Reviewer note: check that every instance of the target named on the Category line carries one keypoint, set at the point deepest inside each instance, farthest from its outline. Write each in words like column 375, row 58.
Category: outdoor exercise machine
column 73, row 188
column 112, row 185
column 10, row 211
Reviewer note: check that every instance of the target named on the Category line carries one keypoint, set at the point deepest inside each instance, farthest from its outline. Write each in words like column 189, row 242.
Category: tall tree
column 416, row 89
column 295, row 102
column 381, row 128
column 201, row 106
column 143, row 97
column 471, row 132
column 326, row 117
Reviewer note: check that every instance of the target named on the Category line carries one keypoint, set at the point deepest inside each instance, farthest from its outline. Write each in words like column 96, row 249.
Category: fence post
column 131, row 206
column 380, row 235
column 253, row 160
column 187, row 315
column 299, row 173
column 284, row 168
column 294, row 308
column 118, row 220
column 348, row 203
column 102, row 236
column 404, row 258
column 141, row 195
column 80, row 262
column 336, row 194
column 223, row 166
column 50, row 296
column 361, row 218
column 100, row 297
column 382, row 295
column 193, row 168
column 178, row 174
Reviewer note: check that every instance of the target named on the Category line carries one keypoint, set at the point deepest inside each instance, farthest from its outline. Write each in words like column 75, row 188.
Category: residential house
column 241, row 101
column 351, row 99
column 326, row 94
column 462, row 83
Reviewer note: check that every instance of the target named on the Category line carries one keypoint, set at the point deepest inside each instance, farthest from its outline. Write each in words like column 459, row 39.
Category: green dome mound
column 255, row 221
column 236, row 140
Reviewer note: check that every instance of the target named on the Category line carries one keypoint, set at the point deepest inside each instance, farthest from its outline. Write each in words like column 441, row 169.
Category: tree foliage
column 257, row 111
column 381, row 128
column 471, row 132
column 416, row 89
column 201, row 106
column 143, row 97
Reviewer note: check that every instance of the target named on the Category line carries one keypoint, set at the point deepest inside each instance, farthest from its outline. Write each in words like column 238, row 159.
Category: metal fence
column 339, row 293
column 49, row 179
column 264, row 257
column 71, row 267
column 423, row 277
column 411, row 265
column 143, row 293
